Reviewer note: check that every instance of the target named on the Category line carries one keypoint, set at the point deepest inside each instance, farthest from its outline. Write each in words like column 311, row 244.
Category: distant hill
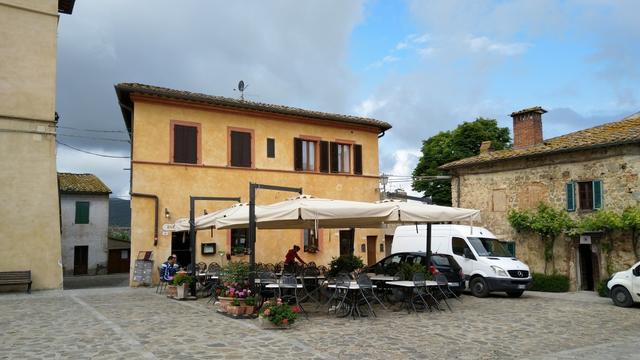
column 119, row 212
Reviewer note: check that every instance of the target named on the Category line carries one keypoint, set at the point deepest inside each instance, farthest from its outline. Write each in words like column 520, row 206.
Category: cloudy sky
column 424, row 66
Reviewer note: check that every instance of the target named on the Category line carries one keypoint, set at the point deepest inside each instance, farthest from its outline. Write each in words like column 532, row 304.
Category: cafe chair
column 443, row 284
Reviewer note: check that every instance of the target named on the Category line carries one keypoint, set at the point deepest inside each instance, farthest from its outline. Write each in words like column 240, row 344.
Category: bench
column 16, row 278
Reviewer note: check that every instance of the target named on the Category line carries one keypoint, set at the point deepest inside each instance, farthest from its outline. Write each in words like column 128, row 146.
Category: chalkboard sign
column 142, row 272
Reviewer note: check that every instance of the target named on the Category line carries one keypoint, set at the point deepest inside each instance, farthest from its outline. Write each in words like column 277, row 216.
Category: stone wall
column 523, row 183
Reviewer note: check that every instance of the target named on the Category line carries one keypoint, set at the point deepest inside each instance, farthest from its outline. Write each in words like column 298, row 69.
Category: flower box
column 182, row 291
column 235, row 310
column 265, row 323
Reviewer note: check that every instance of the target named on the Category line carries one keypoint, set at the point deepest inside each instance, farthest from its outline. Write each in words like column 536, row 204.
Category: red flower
column 285, row 321
column 295, row 309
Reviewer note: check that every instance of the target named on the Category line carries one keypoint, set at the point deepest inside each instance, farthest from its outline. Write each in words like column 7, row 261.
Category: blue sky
column 422, row 65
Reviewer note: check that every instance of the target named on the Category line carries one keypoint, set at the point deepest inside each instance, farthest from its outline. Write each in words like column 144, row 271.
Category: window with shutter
column 585, row 195
column 82, row 212
column 240, row 148
column 357, row 159
column 597, row 194
column 271, row 148
column 297, row 154
column 571, row 202
column 324, row 156
column 340, row 158
column 185, row 144
column 334, row 157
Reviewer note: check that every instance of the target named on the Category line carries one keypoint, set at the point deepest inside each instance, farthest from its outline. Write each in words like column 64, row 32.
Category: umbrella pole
column 428, row 246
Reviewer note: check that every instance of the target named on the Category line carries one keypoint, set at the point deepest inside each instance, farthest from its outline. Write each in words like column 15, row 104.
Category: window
column 324, row 156
column 305, row 154
column 310, row 241
column 185, row 144
column 271, row 148
column 82, row 212
column 458, row 245
column 340, row 158
column 357, row 159
column 589, row 195
column 238, row 241
column 240, row 147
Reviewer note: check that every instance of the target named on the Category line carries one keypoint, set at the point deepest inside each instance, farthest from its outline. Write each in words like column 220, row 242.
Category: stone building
column 581, row 172
column 30, row 227
column 186, row 144
column 84, row 220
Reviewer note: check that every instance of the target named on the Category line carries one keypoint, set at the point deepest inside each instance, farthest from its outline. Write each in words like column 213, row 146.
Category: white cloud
column 369, row 106
column 426, row 52
column 413, row 40
column 484, row 44
column 405, row 161
column 385, row 60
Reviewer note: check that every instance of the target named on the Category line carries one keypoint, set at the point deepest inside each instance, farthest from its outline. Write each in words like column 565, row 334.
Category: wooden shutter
column 571, row 199
column 185, row 144
column 324, row 156
column 357, row 159
column 297, row 154
column 271, row 148
column 240, row 149
column 597, row 194
column 82, row 212
column 334, row 157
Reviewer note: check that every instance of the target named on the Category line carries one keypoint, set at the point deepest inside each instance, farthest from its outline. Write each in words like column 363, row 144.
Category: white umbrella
column 412, row 212
column 305, row 211
column 208, row 220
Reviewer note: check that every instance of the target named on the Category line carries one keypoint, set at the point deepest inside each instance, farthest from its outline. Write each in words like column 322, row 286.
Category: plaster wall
column 29, row 221
column 93, row 234
column 153, row 173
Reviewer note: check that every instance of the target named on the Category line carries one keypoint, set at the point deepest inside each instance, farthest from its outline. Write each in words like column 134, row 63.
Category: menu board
column 142, row 271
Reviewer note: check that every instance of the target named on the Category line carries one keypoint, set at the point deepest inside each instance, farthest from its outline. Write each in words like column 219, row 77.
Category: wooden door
column 80, row 260
column 118, row 261
column 371, row 249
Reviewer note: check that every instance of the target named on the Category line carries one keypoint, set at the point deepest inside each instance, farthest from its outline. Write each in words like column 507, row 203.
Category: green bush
column 602, row 288
column 550, row 283
column 408, row 269
column 345, row 263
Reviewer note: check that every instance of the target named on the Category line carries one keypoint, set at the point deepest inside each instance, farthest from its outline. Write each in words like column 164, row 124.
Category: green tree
column 631, row 222
column 607, row 222
column 446, row 146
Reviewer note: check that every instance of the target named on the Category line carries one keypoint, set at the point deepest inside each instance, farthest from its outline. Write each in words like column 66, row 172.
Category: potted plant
column 278, row 314
column 235, row 308
column 249, row 304
column 311, row 249
column 231, row 291
column 182, row 281
column 345, row 264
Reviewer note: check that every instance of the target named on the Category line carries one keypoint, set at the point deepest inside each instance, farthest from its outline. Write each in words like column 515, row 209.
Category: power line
column 94, row 138
column 92, row 153
column 92, row 130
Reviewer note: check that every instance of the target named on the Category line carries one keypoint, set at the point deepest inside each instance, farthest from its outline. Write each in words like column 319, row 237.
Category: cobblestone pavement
column 121, row 323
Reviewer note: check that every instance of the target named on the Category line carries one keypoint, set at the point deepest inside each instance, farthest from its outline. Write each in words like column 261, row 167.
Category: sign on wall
column 585, row 239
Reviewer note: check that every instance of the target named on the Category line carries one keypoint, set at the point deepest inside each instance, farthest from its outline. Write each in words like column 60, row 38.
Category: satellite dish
column 241, row 85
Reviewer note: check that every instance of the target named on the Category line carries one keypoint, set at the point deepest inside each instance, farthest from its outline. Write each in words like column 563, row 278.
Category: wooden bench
column 16, row 278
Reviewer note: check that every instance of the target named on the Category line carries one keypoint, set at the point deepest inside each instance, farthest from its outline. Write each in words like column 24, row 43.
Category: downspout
column 381, row 134
column 156, row 200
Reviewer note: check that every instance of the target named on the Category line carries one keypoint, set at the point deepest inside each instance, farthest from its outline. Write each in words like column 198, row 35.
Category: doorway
column 388, row 239
column 346, row 242
column 118, row 261
column 586, row 267
column 371, row 249
column 80, row 260
column 180, row 245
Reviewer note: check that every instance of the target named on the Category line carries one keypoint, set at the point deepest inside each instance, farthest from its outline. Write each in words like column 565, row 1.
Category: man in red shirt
column 290, row 259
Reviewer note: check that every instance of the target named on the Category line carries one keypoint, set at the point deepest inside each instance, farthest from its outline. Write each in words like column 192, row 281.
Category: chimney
column 486, row 147
column 527, row 127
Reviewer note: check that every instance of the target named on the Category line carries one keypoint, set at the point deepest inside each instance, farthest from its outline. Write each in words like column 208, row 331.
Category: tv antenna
column 241, row 87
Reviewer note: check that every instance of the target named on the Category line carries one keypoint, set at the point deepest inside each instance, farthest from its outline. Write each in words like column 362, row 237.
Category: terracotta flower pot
column 265, row 323
column 225, row 301
column 172, row 291
column 249, row 309
column 235, row 310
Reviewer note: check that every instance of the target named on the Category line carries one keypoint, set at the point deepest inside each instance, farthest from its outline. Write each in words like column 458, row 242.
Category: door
column 371, row 249
column 118, row 261
column 636, row 282
column 180, row 245
column 388, row 240
column 586, row 267
column 346, row 242
column 80, row 260
column 463, row 254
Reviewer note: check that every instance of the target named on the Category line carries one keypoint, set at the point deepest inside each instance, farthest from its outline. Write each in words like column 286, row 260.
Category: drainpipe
column 381, row 135
column 156, row 200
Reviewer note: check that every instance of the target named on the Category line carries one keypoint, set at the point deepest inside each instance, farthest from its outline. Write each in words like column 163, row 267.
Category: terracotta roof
column 625, row 131
column 69, row 183
column 124, row 90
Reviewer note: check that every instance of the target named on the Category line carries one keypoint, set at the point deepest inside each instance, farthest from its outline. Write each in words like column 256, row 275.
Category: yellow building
column 29, row 220
column 200, row 145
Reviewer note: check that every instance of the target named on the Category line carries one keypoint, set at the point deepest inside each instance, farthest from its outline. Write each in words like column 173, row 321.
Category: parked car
column 624, row 286
column 487, row 264
column 440, row 263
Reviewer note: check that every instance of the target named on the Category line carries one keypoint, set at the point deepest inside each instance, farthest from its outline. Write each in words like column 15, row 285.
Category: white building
column 84, row 212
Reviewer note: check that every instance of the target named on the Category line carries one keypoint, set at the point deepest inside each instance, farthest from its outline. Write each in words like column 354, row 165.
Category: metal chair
column 290, row 282
column 339, row 296
column 421, row 292
column 310, row 284
column 162, row 283
column 367, row 293
column 442, row 282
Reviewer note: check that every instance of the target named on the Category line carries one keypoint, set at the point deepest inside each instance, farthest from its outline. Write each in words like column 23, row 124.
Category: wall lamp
column 167, row 214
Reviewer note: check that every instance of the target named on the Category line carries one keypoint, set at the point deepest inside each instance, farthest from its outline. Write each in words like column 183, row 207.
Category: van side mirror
column 468, row 254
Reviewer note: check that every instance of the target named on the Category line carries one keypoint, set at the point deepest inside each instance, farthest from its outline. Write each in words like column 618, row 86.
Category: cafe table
column 408, row 286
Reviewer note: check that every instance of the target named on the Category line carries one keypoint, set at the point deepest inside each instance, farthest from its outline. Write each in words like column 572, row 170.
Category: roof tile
column 81, row 184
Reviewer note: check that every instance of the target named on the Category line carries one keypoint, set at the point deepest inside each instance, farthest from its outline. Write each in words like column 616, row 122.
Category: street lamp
column 384, row 180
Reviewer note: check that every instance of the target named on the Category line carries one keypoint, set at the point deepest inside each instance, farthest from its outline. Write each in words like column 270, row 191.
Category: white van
column 485, row 261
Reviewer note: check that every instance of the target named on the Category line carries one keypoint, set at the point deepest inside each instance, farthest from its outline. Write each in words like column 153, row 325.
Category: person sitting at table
column 175, row 264
column 290, row 259
column 168, row 269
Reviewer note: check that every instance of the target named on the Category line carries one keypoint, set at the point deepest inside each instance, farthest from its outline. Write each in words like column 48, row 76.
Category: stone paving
column 121, row 323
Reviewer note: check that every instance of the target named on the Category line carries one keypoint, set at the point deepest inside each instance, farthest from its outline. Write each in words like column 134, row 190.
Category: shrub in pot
column 345, row 263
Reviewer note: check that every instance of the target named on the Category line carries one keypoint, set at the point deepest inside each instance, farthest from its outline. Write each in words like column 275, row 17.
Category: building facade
column 194, row 144
column 84, row 219
column 580, row 172
column 30, row 216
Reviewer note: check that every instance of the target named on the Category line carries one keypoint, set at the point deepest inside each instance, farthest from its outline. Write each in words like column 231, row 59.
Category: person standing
column 290, row 259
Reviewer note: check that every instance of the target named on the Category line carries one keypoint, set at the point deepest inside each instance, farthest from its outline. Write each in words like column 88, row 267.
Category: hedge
column 550, row 283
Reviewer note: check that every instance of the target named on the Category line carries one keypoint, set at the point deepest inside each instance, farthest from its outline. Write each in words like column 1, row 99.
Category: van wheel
column 621, row 296
column 479, row 287
column 515, row 294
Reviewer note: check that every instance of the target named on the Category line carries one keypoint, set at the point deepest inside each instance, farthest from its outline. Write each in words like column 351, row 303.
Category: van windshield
column 489, row 247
